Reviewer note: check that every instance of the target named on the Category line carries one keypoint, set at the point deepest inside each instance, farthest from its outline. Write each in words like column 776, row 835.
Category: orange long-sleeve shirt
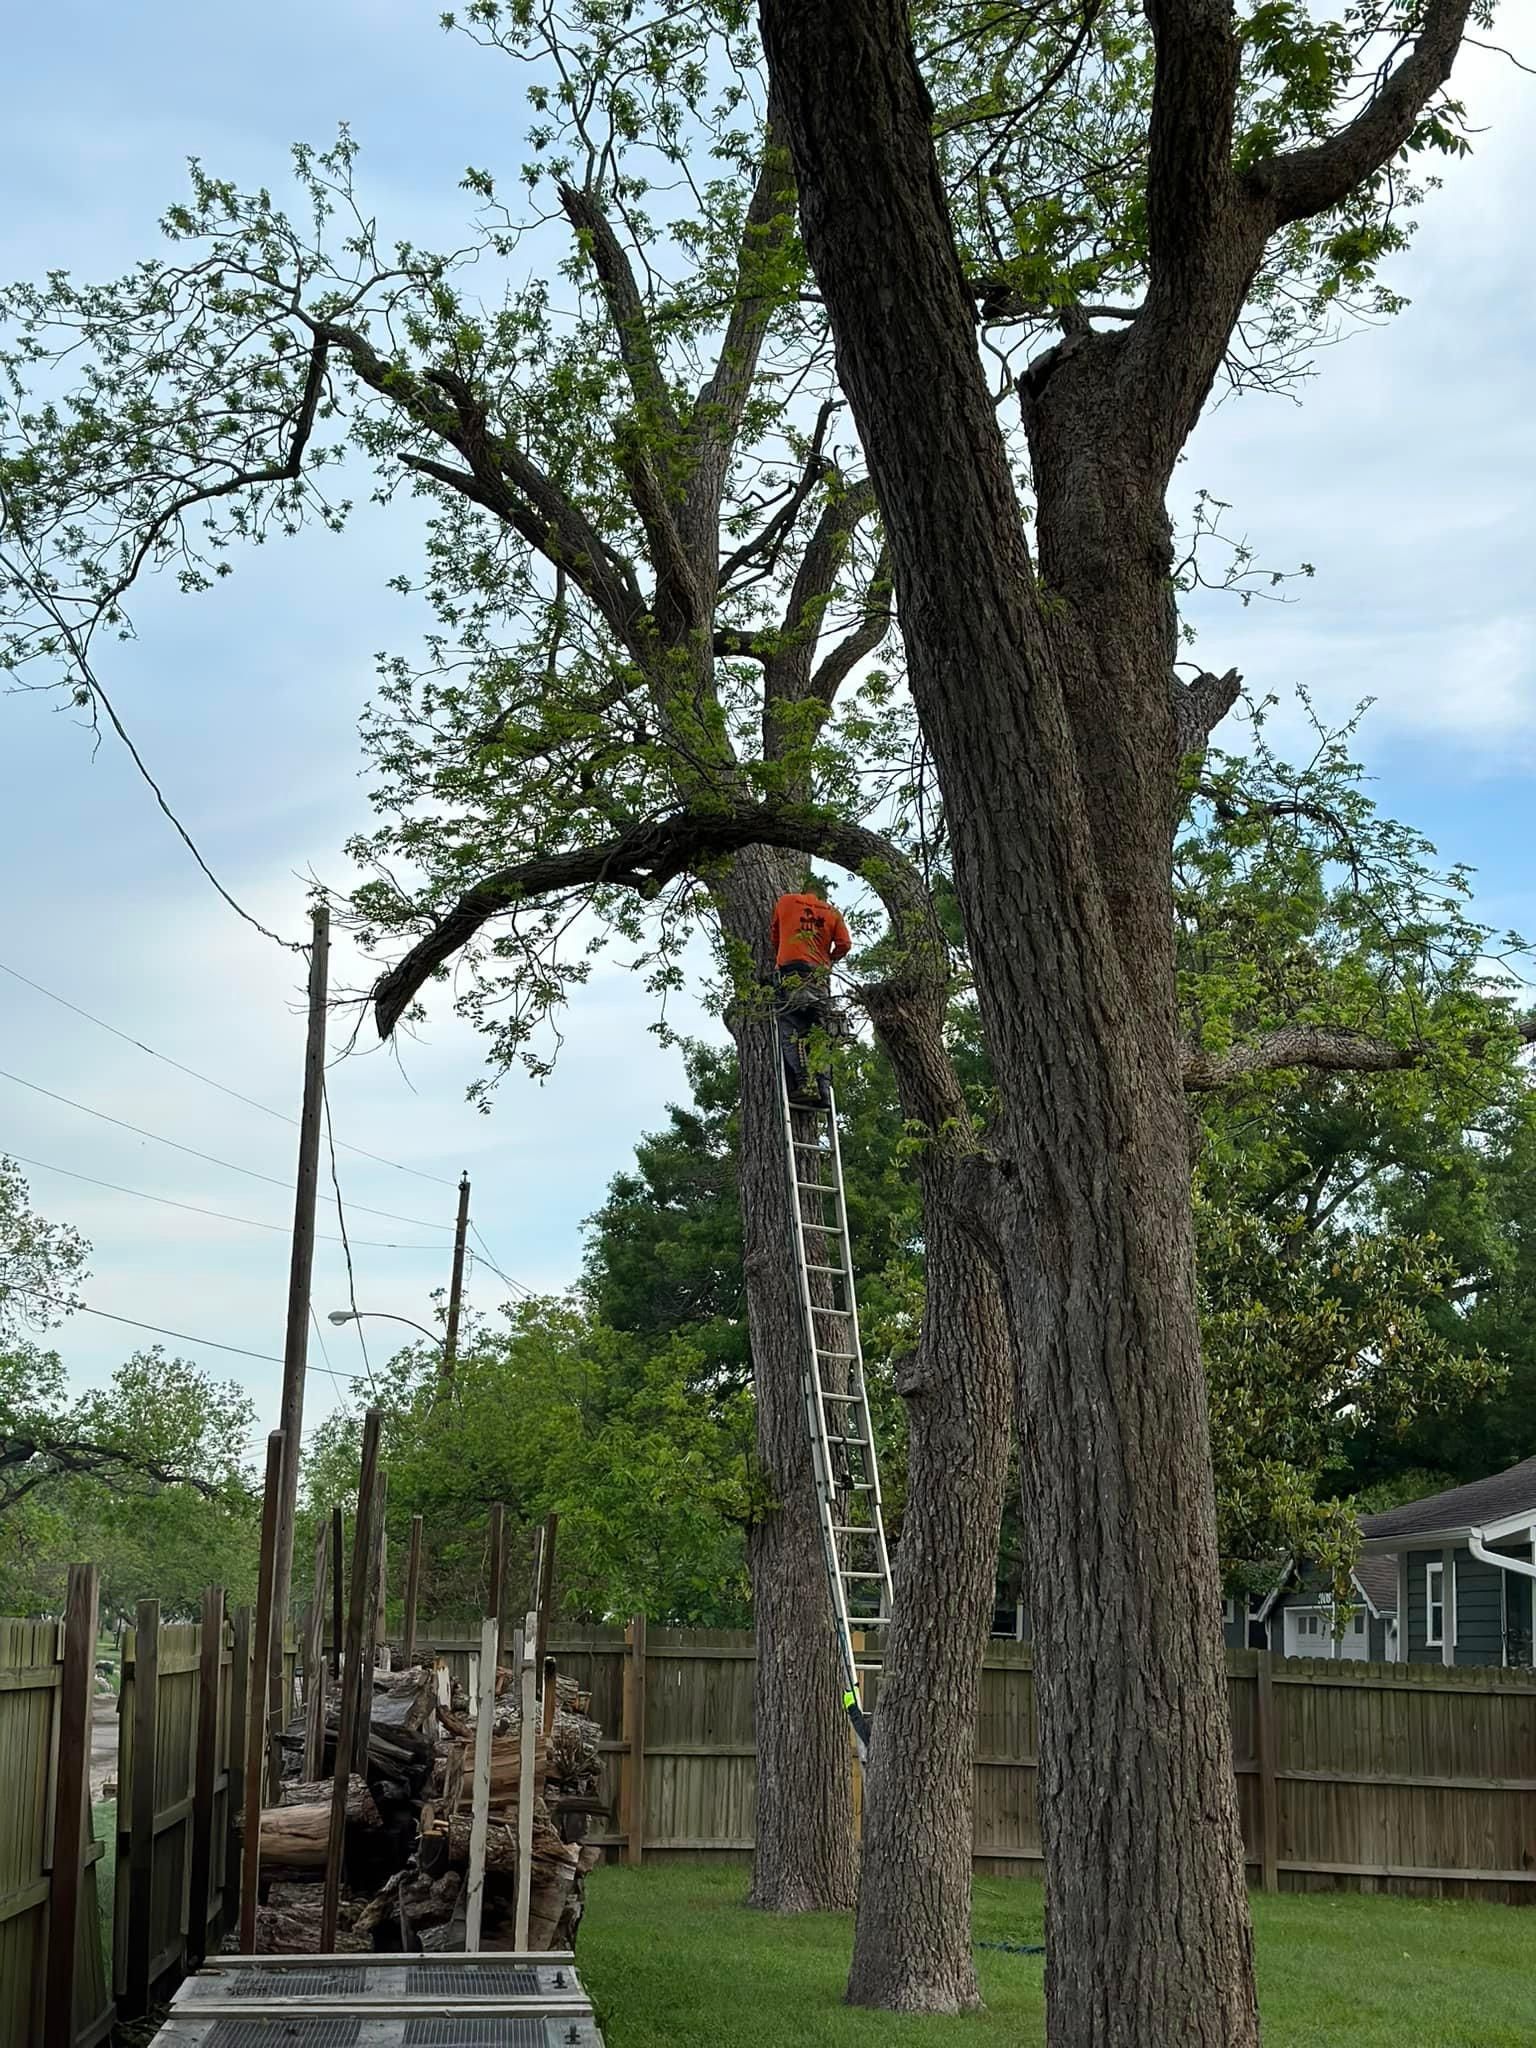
column 808, row 932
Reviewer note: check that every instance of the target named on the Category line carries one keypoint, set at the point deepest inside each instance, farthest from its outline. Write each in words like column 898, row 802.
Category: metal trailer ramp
column 364, row 1985
column 488, row 2000
column 246, row 2027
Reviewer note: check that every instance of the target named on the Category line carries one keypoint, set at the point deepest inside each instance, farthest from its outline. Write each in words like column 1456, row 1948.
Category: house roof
column 1377, row 1579
column 1508, row 1497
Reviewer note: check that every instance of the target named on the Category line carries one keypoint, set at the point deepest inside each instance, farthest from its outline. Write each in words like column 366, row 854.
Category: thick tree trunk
column 912, row 1942
column 1051, row 729
column 804, row 1859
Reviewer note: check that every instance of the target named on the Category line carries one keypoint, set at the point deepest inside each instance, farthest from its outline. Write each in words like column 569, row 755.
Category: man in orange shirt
column 809, row 938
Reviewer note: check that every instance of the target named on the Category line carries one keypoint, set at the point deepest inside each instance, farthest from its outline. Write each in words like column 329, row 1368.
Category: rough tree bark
column 1056, row 728
column 912, row 1939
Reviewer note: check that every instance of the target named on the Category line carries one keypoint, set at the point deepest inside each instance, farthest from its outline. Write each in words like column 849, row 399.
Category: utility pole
column 456, row 1290
column 300, row 1271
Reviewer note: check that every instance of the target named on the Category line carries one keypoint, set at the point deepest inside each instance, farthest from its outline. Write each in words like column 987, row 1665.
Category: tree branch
column 844, row 658
column 1200, row 706
column 649, row 856
column 1308, row 181
column 764, row 546
column 502, row 479
column 1189, row 143
column 626, row 309
column 1322, row 1048
column 75, row 1457
column 718, row 408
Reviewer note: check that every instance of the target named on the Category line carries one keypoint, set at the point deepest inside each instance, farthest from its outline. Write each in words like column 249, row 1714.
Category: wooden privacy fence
column 1360, row 1777
column 53, row 1985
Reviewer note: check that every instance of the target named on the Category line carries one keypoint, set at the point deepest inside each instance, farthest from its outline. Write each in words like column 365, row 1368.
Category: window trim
column 1229, row 1611
column 1435, row 1568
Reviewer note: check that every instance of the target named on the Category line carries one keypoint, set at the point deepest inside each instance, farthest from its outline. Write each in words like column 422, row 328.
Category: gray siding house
column 1300, row 1617
column 1466, row 1569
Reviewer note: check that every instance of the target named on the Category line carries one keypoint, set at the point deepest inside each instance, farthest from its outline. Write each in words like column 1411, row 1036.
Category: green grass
column 104, row 1823
column 673, row 1960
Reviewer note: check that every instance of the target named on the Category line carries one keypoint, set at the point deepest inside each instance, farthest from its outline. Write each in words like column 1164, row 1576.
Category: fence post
column 314, row 1663
column 1269, row 1790
column 141, row 1838
column 634, row 1735
column 234, row 1763
column 209, row 1658
column 412, row 1590
column 259, row 1720
column 70, row 1785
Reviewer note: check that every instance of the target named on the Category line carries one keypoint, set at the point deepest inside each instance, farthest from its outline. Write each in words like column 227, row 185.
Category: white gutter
column 1502, row 1559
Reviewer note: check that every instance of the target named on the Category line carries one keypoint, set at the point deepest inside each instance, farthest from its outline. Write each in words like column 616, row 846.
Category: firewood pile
column 409, row 1817
column 565, row 1775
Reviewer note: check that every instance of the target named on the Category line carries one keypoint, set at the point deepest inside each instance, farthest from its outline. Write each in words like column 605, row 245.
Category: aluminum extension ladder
column 848, row 1497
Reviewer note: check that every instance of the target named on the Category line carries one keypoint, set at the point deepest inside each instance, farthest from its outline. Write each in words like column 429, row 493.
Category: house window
column 1229, row 1611
column 1434, row 1605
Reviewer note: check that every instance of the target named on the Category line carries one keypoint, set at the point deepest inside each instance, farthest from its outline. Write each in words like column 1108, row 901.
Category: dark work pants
column 804, row 1005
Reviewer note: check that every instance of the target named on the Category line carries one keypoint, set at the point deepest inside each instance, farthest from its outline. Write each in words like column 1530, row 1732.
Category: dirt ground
column 103, row 1742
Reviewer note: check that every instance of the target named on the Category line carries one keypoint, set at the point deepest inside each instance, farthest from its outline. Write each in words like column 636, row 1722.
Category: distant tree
column 40, row 1262
column 146, row 1477
column 643, row 1447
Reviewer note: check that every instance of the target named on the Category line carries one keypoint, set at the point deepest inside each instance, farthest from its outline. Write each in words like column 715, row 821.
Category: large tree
column 655, row 564
column 1043, row 672
column 656, row 587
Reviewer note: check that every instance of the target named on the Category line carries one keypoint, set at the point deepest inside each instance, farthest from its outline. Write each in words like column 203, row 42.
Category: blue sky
column 1407, row 475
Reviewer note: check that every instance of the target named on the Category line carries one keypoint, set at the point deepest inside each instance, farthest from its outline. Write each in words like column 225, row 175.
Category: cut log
column 295, row 1836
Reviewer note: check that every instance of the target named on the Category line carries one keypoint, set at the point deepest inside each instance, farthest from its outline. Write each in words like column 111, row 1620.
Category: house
column 1466, row 1569
column 1299, row 1617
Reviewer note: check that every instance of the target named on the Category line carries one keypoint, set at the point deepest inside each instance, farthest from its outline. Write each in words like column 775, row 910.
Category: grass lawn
column 104, row 1823
column 673, row 1960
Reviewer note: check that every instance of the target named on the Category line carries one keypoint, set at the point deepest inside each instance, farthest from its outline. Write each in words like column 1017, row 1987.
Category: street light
column 339, row 1316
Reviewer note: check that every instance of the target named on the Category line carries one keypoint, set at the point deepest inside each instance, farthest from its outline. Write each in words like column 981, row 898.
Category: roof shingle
column 1485, row 1500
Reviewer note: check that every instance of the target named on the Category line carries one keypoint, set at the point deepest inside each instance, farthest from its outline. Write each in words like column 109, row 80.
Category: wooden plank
column 546, row 1591
column 634, row 1730
column 314, row 1660
column 480, row 1807
column 412, row 1591
column 338, row 1565
column 200, row 1883
column 141, row 1837
column 495, row 1598
column 526, row 1790
column 1423, row 1872
column 1269, row 1795
column 371, row 1571
column 71, row 1786
column 31, row 1678
column 257, row 1720
column 355, row 1676
column 234, row 1759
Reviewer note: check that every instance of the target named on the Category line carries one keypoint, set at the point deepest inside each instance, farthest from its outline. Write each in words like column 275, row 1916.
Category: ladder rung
column 840, row 1271
column 861, row 1575
column 821, row 1187
column 842, row 1355
column 828, row 1395
column 853, row 1442
column 854, row 1529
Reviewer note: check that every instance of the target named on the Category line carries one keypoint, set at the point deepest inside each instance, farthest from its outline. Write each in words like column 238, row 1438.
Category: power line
column 195, row 1209
column 181, row 1336
column 341, row 1218
column 207, row 1079
column 516, row 1285
column 389, row 1215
